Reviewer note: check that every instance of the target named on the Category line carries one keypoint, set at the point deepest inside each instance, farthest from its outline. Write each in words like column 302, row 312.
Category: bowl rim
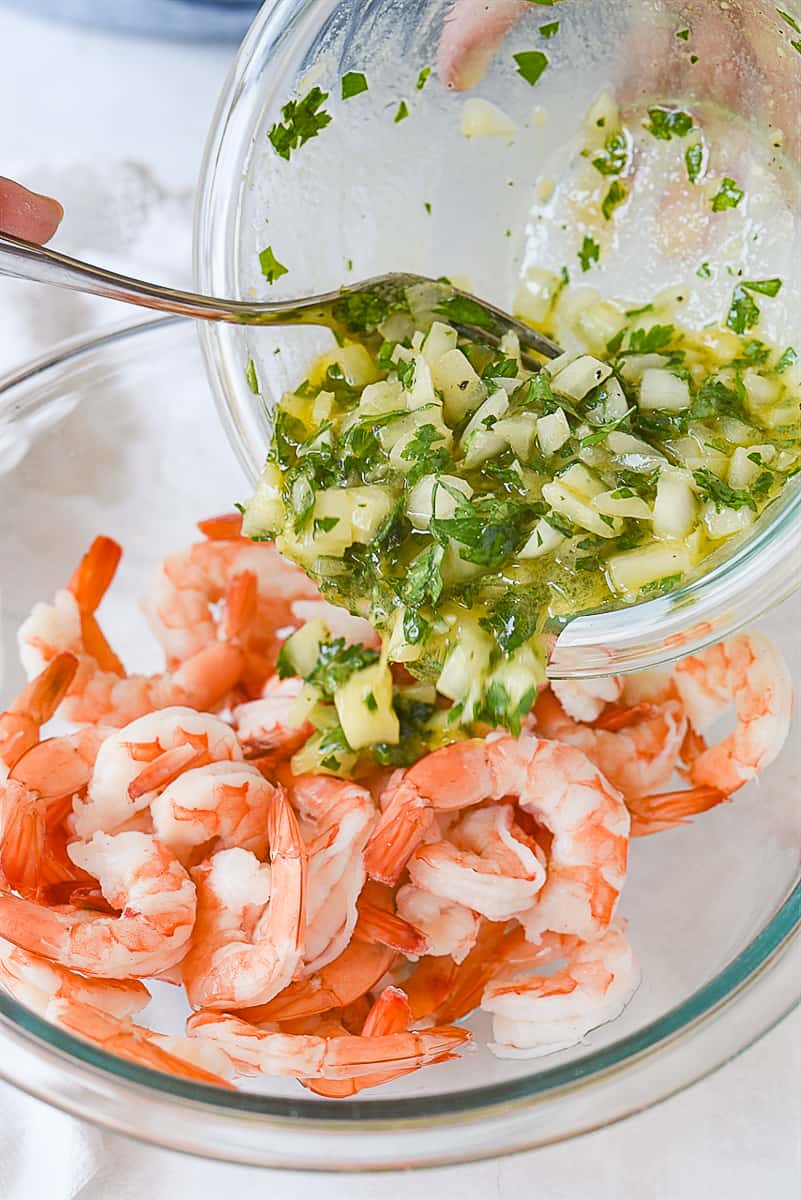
column 754, row 990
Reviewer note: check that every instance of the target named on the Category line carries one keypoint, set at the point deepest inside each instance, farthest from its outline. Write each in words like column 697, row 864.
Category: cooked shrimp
column 485, row 863
column 542, row 1014
column 34, row 982
column 450, row 929
column 120, row 1036
column 340, row 623
column 225, row 804
column 35, row 705
column 586, row 699
column 255, row 1051
column 133, row 763
column 239, row 956
column 472, row 32
column 557, row 785
column 141, row 880
column 749, row 673
column 266, row 727
column 100, row 690
column 335, row 817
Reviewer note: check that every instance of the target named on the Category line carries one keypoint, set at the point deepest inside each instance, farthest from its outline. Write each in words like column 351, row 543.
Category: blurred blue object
column 193, row 20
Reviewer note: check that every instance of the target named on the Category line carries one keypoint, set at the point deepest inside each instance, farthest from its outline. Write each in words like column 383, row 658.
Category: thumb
column 27, row 214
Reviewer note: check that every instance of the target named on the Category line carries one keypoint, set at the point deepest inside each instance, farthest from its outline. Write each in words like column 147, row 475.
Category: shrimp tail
column 399, row 831
column 653, row 814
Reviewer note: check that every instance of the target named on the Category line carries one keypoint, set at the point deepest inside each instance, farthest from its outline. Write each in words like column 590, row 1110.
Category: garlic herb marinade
column 466, row 505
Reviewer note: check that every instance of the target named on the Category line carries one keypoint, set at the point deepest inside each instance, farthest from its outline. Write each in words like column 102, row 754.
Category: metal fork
column 353, row 311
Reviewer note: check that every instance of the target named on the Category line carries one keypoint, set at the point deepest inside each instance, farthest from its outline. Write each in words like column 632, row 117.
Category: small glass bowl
column 115, row 434
column 352, row 203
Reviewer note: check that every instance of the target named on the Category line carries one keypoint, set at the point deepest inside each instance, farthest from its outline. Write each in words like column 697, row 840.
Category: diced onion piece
column 581, row 376
column 734, row 431
column 760, row 391
column 518, row 432
column 456, row 569
column 633, row 569
column 721, row 344
column 746, row 463
column 356, row 363
column 462, row 675
column 598, row 323
column 579, row 510
column 479, row 440
column 428, row 494
column 632, row 452
column 462, row 389
column 725, row 522
column 544, row 539
column 382, row 397
column 553, row 431
column 398, row 458
column 634, row 366
column 480, row 118
column 397, row 648
column 601, row 119
column 535, row 295
column 303, row 646
column 581, row 481
column 265, row 510
column 675, row 506
column 555, row 365
column 622, row 506
column 322, row 406
column 663, row 391
column 615, row 404
column 438, row 341
column 692, row 454
column 371, row 505
column 364, row 707
column 422, row 390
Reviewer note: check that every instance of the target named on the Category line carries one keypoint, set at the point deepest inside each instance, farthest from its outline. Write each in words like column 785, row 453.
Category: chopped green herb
column 349, row 264
column 660, row 587
column 497, row 707
column 302, row 120
column 614, row 156
column 422, row 78
column 353, row 84
column 427, row 206
column 271, row 268
column 694, row 158
column 514, row 619
column 743, row 311
column 638, row 312
column 370, row 702
column 765, row 287
column 715, row 398
column 615, row 196
column 791, row 21
column 589, row 253
column 693, row 59
column 423, row 581
column 461, row 310
column 429, row 457
column 651, row 341
column 406, row 369
column 335, row 664
column 550, row 30
column 684, row 34
column 704, row 271
column 599, row 434
column 719, row 492
column 531, row 64
column 251, row 378
column 728, row 196
column 787, row 359
column 401, row 113
column 666, row 123
column 325, row 524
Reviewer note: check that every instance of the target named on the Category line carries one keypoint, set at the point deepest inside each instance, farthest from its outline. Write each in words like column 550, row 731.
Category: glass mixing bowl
column 117, row 435
column 354, row 202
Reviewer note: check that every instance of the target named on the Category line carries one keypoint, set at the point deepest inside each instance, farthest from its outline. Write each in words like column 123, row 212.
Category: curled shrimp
column 255, row 1051
column 335, row 817
column 450, row 929
column 34, row 982
column 485, row 863
column 538, row 1015
column 555, row 784
column 242, row 956
column 265, row 727
column 143, row 757
column 143, row 882
column 101, row 691
column 21, row 723
column 586, row 699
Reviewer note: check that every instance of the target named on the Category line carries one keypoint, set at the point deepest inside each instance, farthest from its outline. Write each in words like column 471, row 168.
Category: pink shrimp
column 21, row 723
column 34, row 982
column 555, row 784
column 472, row 32
column 538, row 1015
column 265, row 727
column 586, row 699
column 450, row 929
column 485, row 863
column 242, row 954
column 255, row 1051
column 143, row 882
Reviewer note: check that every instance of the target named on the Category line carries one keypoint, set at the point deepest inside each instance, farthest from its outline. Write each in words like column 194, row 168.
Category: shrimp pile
column 331, row 930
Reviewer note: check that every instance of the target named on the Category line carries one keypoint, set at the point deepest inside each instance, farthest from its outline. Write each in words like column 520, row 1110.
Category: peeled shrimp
column 485, row 863
column 34, row 982
column 450, row 929
column 240, row 957
column 472, row 32
column 749, row 673
column 340, row 623
column 139, row 878
column 266, row 727
column 148, row 753
column 586, row 699
column 255, row 1051
column 541, row 1014
column 222, row 803
column 35, row 705
column 555, row 784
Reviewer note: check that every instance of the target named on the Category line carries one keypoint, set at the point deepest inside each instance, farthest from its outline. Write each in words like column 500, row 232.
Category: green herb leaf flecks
column 694, row 158
column 251, row 378
column 422, row 78
column 791, row 21
column 514, row 619
column 271, row 268
column 787, row 359
column 423, row 581
column 704, row 271
column 651, row 341
column 743, row 311
column 660, row 587
column 488, row 531
column 614, row 156
column 464, row 311
column 531, row 64
column 302, row 120
column 765, row 287
column 598, row 435
column 589, row 253
column 401, row 113
column 353, row 84
column 615, row 196
column 667, row 123
column 550, row 30
column 335, row 664
column 363, row 311
column 719, row 492
column 497, row 708
column 716, row 399
column 423, row 450
column 406, row 370
column 684, row 34
column 728, row 195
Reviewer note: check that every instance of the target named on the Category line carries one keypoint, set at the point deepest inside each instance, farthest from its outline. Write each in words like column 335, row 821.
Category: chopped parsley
column 335, row 664
column 271, row 268
column 743, row 311
column 370, row 702
column 302, row 120
column 427, row 206
column 728, row 195
column 550, row 30
column 791, row 21
column 694, row 159
column 660, row 587
column 531, row 64
column 401, row 113
column 353, row 84
column 765, row 287
column 719, row 492
column 613, row 158
column 616, row 195
column 461, row 310
column 251, row 378
column 787, row 359
column 704, row 271
column 667, row 123
column 651, row 341
column 589, row 253
column 684, row 34
column 422, row 78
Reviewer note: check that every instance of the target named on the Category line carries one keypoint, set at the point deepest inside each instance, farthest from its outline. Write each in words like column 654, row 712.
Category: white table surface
column 113, row 125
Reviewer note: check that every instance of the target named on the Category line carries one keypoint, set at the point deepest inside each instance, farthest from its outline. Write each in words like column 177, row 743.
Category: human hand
column 26, row 214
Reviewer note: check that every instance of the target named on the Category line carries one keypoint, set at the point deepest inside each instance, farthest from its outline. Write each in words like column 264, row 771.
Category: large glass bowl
column 354, row 202
column 117, row 435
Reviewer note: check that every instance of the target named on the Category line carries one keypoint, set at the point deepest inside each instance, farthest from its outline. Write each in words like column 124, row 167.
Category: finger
column 27, row 214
